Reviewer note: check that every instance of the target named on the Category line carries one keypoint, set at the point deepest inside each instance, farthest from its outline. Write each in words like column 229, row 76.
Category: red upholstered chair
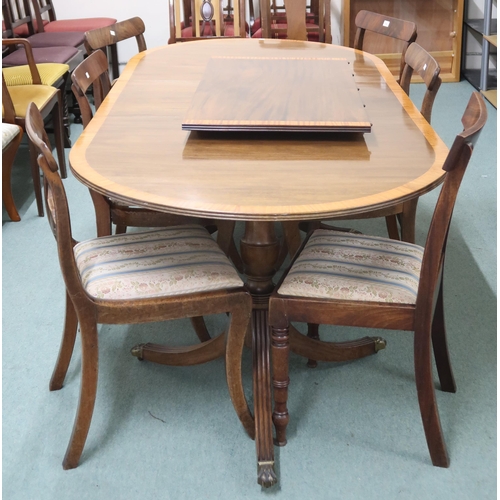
column 295, row 19
column 371, row 282
column 82, row 25
column 209, row 21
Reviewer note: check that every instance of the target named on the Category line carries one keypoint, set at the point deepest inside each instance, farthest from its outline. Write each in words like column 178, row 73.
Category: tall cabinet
column 484, row 29
column 439, row 28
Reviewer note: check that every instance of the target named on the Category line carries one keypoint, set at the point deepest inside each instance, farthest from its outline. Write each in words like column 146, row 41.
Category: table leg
column 260, row 251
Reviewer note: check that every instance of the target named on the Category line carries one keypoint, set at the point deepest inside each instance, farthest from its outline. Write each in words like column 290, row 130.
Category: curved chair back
column 418, row 60
column 392, row 27
column 92, row 71
column 110, row 35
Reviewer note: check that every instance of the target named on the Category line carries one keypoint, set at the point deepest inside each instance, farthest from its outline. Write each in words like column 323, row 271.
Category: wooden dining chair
column 15, row 100
column 363, row 281
column 296, row 20
column 196, row 20
column 11, row 138
column 400, row 31
column 135, row 278
column 93, row 71
column 110, row 36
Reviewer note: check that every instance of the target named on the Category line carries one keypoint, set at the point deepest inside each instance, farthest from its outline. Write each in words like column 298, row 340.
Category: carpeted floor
column 171, row 433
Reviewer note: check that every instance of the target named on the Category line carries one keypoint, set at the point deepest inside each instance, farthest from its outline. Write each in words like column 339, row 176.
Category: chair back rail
column 110, row 35
column 418, row 60
column 392, row 27
column 92, row 71
column 17, row 13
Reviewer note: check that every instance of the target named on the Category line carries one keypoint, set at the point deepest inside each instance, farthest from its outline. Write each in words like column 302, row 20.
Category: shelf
column 478, row 25
column 474, row 75
column 492, row 39
column 491, row 95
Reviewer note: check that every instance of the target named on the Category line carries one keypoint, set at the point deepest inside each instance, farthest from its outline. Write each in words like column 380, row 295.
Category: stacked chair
column 11, row 138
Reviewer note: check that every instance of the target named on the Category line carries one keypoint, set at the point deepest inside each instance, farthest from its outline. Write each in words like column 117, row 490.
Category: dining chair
column 20, row 19
column 110, row 36
column 136, row 278
column 45, row 8
column 11, row 138
column 189, row 22
column 15, row 100
column 361, row 281
column 295, row 19
column 369, row 24
column 93, row 71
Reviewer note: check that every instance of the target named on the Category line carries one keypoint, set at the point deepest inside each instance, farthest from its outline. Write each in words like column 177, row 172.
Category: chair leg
column 234, row 350
column 8, row 156
column 292, row 236
column 57, row 118
column 88, row 388
column 35, row 174
column 408, row 218
column 440, row 345
column 225, row 240
column 312, row 333
column 280, row 349
column 200, row 328
column 66, row 348
column 392, row 227
column 427, row 398
column 102, row 213
column 120, row 229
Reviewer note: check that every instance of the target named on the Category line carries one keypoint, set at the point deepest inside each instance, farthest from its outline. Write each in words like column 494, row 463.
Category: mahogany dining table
column 135, row 151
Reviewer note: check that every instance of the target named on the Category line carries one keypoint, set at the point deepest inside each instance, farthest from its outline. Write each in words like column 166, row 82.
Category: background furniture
column 106, row 292
column 259, row 179
column 15, row 100
column 195, row 19
column 484, row 29
column 364, row 281
column 11, row 138
column 439, row 26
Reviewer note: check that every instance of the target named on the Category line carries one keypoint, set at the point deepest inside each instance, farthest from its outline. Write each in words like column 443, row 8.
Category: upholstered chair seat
column 21, row 75
column 172, row 261
column 66, row 39
column 9, row 133
column 82, row 25
column 345, row 266
column 58, row 55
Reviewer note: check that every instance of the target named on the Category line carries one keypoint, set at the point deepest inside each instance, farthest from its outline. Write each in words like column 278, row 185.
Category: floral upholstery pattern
column 346, row 266
column 9, row 132
column 172, row 261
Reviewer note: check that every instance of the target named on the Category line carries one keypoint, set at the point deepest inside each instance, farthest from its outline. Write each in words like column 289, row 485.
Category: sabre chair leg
column 427, row 399
column 312, row 333
column 66, row 348
column 280, row 349
column 234, row 349
column 200, row 328
column 57, row 118
column 35, row 174
column 102, row 213
column 440, row 345
column 88, row 390
column 392, row 227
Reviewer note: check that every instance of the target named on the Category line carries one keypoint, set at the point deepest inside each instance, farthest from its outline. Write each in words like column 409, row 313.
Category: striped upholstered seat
column 173, row 261
column 21, row 75
column 345, row 266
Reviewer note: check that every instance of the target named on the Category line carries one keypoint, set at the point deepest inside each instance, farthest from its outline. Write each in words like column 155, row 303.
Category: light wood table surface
column 134, row 150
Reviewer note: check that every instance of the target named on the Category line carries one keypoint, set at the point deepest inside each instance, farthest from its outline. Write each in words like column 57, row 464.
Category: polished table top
column 135, row 150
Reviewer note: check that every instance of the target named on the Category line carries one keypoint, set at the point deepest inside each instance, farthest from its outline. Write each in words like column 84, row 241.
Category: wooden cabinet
column 484, row 30
column 439, row 28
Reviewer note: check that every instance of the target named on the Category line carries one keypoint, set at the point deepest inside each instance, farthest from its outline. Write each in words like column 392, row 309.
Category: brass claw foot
column 137, row 351
column 380, row 343
column 266, row 476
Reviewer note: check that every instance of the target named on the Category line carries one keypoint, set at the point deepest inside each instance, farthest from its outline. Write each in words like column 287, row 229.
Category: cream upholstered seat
column 9, row 133
column 21, row 75
column 339, row 265
column 173, row 261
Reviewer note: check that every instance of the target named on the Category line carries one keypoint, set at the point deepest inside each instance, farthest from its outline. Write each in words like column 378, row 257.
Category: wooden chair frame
column 53, row 107
column 425, row 318
column 405, row 31
column 83, row 310
column 8, row 156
